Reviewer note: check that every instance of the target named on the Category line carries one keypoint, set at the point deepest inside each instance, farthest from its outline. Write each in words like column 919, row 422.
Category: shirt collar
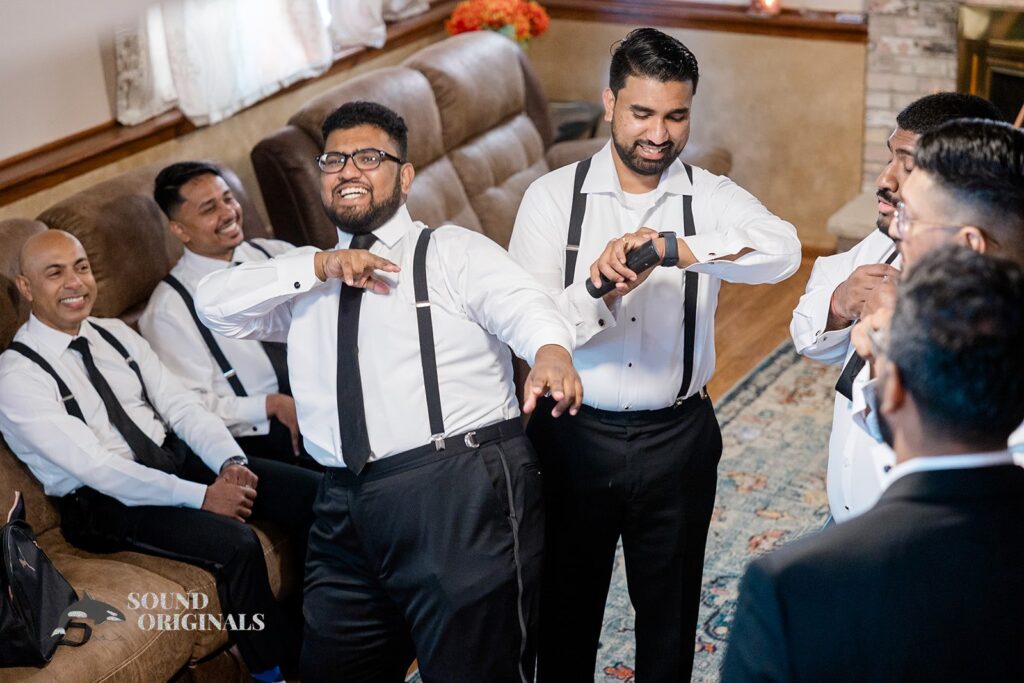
column 602, row 177
column 204, row 265
column 932, row 463
column 53, row 340
column 389, row 234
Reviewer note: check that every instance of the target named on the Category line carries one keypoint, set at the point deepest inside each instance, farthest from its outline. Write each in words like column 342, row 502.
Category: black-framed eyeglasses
column 364, row 159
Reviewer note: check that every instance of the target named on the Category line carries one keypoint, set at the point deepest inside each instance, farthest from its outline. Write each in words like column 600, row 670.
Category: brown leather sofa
column 130, row 249
column 479, row 134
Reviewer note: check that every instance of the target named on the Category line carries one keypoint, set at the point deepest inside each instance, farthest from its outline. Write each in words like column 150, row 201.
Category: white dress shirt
column 630, row 357
column 480, row 301
column 851, row 480
column 64, row 453
column 169, row 328
column 874, row 467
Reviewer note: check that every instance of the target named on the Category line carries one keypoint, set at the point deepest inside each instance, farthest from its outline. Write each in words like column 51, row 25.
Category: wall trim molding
column 815, row 25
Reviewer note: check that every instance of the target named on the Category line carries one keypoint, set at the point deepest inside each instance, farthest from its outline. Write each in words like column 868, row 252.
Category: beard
column 882, row 223
column 629, row 153
column 356, row 221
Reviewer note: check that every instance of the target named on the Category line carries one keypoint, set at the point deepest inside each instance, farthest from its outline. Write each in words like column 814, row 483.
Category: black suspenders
column 425, row 328
column 211, row 342
column 690, row 281
column 70, row 404
column 576, row 214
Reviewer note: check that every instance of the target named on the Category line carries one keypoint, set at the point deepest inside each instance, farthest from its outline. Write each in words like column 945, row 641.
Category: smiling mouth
column 231, row 227
column 653, row 150
column 73, row 300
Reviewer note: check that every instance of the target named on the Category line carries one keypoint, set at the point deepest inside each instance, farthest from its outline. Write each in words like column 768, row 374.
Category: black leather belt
column 422, row 455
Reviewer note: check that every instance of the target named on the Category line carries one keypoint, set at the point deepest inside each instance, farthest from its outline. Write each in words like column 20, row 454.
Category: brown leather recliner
column 131, row 249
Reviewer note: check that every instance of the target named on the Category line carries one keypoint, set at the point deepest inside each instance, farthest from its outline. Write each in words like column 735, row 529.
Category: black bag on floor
column 34, row 597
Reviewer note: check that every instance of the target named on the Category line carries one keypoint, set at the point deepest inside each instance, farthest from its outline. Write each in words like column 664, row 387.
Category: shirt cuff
column 589, row 315
column 298, row 272
column 253, row 409
column 188, row 494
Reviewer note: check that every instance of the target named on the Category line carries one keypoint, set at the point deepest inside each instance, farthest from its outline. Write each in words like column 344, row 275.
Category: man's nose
column 350, row 171
column 657, row 132
column 887, row 178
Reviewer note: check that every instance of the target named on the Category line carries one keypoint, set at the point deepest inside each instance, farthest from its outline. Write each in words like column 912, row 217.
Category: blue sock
column 270, row 675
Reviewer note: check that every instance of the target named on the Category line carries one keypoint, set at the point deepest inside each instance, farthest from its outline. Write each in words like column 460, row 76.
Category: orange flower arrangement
column 520, row 20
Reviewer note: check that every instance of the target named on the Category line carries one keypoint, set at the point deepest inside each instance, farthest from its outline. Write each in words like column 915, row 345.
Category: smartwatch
column 671, row 249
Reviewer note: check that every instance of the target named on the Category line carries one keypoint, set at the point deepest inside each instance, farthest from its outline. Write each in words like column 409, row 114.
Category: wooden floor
column 752, row 321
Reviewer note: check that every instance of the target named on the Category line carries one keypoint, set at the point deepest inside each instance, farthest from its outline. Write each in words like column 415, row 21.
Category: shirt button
column 255, row 429
column 296, row 285
column 633, row 318
column 600, row 322
column 630, row 364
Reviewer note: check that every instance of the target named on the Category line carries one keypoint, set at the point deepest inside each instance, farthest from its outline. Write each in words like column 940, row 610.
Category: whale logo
column 90, row 608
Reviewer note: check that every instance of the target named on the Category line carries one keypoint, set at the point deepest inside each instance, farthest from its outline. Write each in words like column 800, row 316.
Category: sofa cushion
column 13, row 310
column 496, row 168
column 126, row 235
column 477, row 83
column 117, row 651
column 437, row 197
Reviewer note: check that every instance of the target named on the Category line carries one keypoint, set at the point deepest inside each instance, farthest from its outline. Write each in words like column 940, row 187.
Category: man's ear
column 894, row 394
column 608, row 97
column 973, row 238
column 23, row 288
column 408, row 173
column 178, row 230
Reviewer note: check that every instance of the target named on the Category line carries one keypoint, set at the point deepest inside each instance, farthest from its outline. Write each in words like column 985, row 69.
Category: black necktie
column 143, row 448
column 845, row 384
column 355, row 442
column 853, row 366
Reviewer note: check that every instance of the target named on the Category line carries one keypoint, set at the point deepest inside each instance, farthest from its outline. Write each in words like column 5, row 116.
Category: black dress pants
column 227, row 548
column 427, row 554
column 649, row 477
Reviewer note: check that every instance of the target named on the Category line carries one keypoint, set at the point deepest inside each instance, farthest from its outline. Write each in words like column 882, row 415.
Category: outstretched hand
column 354, row 267
column 553, row 372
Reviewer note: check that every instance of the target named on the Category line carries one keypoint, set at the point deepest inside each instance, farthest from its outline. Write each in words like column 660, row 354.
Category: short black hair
column 980, row 164
column 956, row 337
column 352, row 114
column 649, row 53
column 931, row 111
column 168, row 183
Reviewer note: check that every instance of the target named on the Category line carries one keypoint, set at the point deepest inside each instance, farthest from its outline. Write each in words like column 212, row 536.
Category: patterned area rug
column 771, row 490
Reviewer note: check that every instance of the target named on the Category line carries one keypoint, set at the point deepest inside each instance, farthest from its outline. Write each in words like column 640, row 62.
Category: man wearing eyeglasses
column 967, row 189
column 429, row 521
column 841, row 286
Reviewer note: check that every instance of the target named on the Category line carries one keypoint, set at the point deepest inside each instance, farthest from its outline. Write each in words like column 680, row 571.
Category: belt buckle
column 470, row 440
column 438, row 441
column 703, row 393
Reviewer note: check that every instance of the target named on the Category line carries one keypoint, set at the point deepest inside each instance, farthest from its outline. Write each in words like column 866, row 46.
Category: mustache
column 886, row 196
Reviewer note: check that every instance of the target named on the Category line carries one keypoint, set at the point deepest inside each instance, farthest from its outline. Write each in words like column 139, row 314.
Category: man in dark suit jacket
column 928, row 584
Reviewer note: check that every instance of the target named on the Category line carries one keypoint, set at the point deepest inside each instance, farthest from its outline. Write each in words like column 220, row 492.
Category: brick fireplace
column 912, row 52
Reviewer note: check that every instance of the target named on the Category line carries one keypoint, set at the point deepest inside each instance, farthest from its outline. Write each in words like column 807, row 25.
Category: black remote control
column 637, row 260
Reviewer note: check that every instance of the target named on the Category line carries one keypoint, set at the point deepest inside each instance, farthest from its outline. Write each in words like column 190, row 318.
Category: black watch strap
column 671, row 249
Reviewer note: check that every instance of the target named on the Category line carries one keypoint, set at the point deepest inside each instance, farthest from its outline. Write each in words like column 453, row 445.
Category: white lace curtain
column 212, row 58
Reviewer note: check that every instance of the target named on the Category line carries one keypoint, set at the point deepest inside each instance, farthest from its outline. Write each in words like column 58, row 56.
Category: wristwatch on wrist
column 671, row 249
column 234, row 460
